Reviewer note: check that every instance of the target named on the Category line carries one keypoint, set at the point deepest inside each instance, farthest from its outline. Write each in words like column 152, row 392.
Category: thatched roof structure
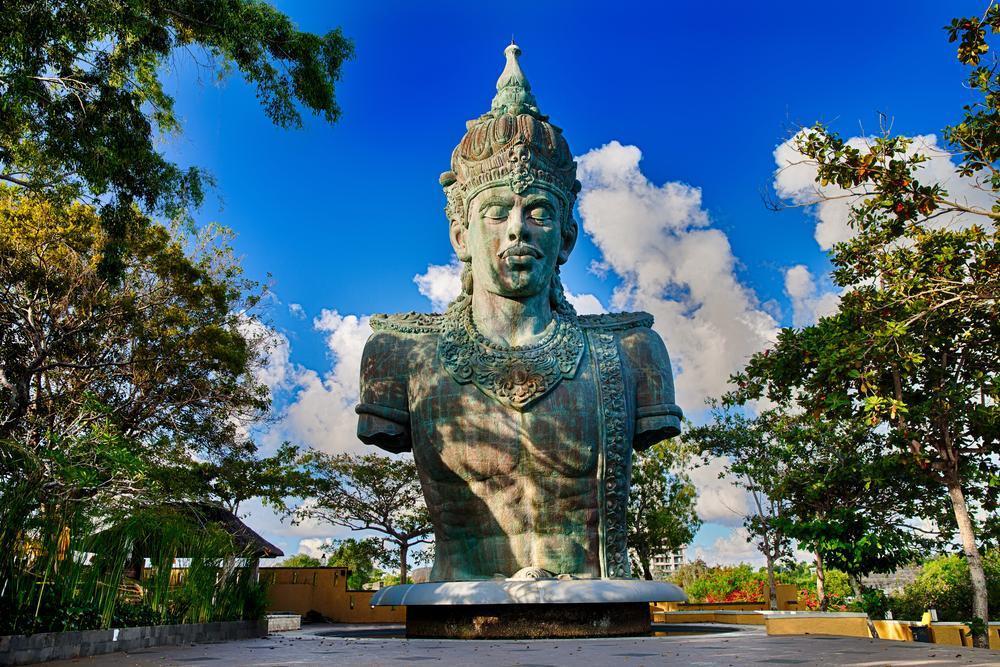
column 247, row 542
column 246, row 539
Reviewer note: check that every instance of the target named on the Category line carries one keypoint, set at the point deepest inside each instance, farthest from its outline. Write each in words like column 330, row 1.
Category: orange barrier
column 324, row 590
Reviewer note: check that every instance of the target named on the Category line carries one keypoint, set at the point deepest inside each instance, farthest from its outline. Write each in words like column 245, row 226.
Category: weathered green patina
column 521, row 415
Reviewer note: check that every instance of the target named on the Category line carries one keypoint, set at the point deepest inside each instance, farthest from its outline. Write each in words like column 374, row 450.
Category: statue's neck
column 510, row 321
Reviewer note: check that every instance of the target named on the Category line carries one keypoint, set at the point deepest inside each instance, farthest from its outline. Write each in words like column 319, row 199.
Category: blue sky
column 340, row 219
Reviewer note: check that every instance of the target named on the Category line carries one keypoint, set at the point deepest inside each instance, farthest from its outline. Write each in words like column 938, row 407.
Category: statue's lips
column 520, row 254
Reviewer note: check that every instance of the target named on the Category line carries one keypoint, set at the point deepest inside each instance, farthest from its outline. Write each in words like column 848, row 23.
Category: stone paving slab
column 748, row 646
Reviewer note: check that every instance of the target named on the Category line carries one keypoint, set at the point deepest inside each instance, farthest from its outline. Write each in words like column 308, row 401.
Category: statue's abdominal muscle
column 516, row 489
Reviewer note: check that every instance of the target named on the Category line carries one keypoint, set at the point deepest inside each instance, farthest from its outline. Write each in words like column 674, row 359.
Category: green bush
column 47, row 586
column 873, row 602
column 744, row 583
column 731, row 583
column 944, row 585
column 134, row 615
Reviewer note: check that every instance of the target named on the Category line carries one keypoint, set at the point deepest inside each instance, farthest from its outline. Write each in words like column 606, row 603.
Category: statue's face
column 514, row 240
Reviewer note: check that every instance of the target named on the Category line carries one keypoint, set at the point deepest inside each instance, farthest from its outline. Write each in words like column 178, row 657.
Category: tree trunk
column 856, row 587
column 821, row 583
column 404, row 548
column 980, row 603
column 855, row 584
column 647, row 571
column 772, row 587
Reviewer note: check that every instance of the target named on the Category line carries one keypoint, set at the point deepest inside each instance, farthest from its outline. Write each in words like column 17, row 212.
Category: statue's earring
column 467, row 277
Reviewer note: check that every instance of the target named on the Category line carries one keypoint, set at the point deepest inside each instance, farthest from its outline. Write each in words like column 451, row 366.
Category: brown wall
column 323, row 589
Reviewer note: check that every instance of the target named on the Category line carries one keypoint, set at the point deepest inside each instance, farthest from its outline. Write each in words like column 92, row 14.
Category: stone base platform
column 528, row 609
column 527, row 621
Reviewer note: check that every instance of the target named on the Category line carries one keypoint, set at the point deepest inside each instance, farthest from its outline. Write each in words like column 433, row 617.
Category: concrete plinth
column 528, row 609
column 527, row 621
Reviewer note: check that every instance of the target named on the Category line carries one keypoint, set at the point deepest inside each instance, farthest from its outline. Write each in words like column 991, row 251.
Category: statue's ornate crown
column 513, row 144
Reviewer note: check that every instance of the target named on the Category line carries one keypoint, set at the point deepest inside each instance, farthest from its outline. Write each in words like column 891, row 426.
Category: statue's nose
column 515, row 224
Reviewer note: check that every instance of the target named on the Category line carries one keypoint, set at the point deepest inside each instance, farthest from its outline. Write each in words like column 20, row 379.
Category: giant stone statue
column 521, row 415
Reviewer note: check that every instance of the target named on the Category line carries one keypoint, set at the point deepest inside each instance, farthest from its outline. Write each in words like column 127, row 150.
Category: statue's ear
column 459, row 240
column 570, row 232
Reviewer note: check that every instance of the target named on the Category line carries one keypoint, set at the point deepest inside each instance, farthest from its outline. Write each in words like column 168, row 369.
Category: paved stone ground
column 748, row 646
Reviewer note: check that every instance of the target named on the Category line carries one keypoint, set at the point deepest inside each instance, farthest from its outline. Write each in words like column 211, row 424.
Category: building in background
column 665, row 563
column 893, row 582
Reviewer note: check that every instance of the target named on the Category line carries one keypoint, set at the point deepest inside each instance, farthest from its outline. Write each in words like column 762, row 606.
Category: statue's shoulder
column 616, row 322
column 407, row 323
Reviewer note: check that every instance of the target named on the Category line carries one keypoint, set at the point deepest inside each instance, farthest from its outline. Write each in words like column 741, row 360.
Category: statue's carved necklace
column 516, row 376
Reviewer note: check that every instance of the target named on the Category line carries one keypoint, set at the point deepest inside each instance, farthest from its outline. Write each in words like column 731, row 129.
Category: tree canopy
column 154, row 365
column 82, row 99
column 118, row 395
column 661, row 511
column 369, row 492
column 913, row 349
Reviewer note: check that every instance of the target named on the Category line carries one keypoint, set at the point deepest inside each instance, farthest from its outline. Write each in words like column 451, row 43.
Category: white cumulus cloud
column 585, row 304
column 809, row 303
column 672, row 263
column 719, row 499
column 795, row 181
column 314, row 546
column 731, row 549
column 320, row 413
column 441, row 283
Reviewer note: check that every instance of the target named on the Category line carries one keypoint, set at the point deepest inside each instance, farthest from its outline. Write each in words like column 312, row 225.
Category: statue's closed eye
column 495, row 212
column 541, row 214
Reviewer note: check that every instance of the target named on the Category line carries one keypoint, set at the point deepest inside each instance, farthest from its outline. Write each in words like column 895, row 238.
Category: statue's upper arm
column 383, row 411
column 657, row 415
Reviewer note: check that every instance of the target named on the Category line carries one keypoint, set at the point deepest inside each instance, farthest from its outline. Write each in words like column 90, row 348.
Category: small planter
column 44, row 646
column 281, row 622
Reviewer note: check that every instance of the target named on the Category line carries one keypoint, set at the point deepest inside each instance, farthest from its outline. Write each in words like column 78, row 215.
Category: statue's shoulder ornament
column 613, row 322
column 407, row 323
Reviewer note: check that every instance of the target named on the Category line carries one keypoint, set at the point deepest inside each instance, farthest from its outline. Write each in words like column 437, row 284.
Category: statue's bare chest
column 459, row 431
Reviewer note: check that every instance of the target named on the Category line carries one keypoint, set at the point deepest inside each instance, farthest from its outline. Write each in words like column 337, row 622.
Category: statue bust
column 521, row 415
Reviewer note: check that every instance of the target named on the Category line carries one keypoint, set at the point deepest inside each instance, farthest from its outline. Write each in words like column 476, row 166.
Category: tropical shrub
column 944, row 585
column 733, row 583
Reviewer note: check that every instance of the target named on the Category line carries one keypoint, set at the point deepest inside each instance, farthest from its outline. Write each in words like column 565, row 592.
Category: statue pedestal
column 530, row 609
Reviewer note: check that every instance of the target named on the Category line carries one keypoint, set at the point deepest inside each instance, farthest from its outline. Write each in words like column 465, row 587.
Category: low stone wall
column 29, row 649
column 843, row 624
column 855, row 625
column 725, row 616
column 283, row 622
column 960, row 634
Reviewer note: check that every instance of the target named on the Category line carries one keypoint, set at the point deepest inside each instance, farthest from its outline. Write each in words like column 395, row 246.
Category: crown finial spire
column 513, row 90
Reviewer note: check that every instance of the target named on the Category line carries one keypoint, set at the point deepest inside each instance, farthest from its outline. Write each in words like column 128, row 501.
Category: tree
column 301, row 560
column 851, row 500
column 153, row 365
column 114, row 394
column 369, row 492
column 82, row 101
column 688, row 573
column 828, row 485
column 751, row 461
column 913, row 346
column 661, row 510
column 233, row 476
column 240, row 474
column 359, row 557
